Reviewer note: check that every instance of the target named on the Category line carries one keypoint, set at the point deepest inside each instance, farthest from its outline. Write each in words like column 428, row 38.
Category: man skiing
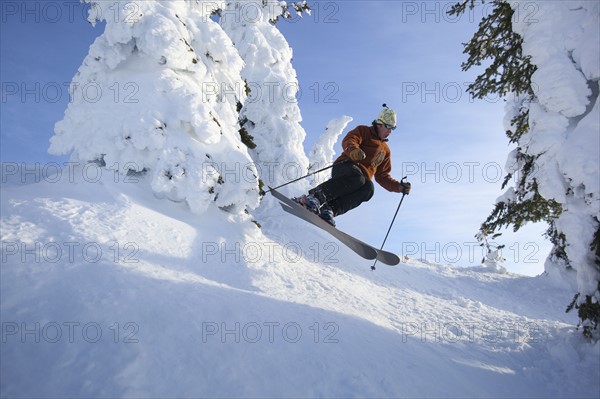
column 365, row 155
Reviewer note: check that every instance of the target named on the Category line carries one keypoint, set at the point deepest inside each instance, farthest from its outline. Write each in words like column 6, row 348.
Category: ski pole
column 391, row 224
column 304, row 177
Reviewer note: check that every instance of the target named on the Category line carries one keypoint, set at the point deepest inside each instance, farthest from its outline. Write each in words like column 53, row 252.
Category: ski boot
column 309, row 202
column 327, row 215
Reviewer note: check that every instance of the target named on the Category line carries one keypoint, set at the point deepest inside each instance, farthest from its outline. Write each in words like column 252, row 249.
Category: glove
column 405, row 187
column 357, row 155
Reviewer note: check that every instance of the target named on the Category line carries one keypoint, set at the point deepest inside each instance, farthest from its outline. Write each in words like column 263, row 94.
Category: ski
column 359, row 247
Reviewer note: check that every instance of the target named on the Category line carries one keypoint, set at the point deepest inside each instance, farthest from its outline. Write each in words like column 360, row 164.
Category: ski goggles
column 389, row 126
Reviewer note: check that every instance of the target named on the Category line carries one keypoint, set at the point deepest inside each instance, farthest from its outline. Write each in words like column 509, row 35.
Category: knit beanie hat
column 387, row 116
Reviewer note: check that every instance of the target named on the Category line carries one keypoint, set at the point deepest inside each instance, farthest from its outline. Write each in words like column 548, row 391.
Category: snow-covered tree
column 157, row 93
column 548, row 60
column 493, row 259
column 270, row 118
column 322, row 152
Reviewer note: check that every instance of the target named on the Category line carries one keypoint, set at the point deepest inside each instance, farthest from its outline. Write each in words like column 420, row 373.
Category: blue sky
column 42, row 44
column 350, row 57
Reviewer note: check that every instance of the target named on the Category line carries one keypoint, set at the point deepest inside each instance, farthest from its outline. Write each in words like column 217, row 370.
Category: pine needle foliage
column 509, row 71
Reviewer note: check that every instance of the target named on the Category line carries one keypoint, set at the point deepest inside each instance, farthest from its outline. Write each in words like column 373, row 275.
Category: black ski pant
column 347, row 188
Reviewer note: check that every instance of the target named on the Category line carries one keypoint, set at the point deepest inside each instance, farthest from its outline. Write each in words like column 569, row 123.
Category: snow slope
column 109, row 292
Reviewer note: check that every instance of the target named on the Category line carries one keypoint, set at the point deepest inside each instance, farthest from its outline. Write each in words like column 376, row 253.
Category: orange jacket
column 377, row 163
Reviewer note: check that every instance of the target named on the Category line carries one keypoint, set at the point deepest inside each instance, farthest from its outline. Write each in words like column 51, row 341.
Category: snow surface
column 108, row 291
